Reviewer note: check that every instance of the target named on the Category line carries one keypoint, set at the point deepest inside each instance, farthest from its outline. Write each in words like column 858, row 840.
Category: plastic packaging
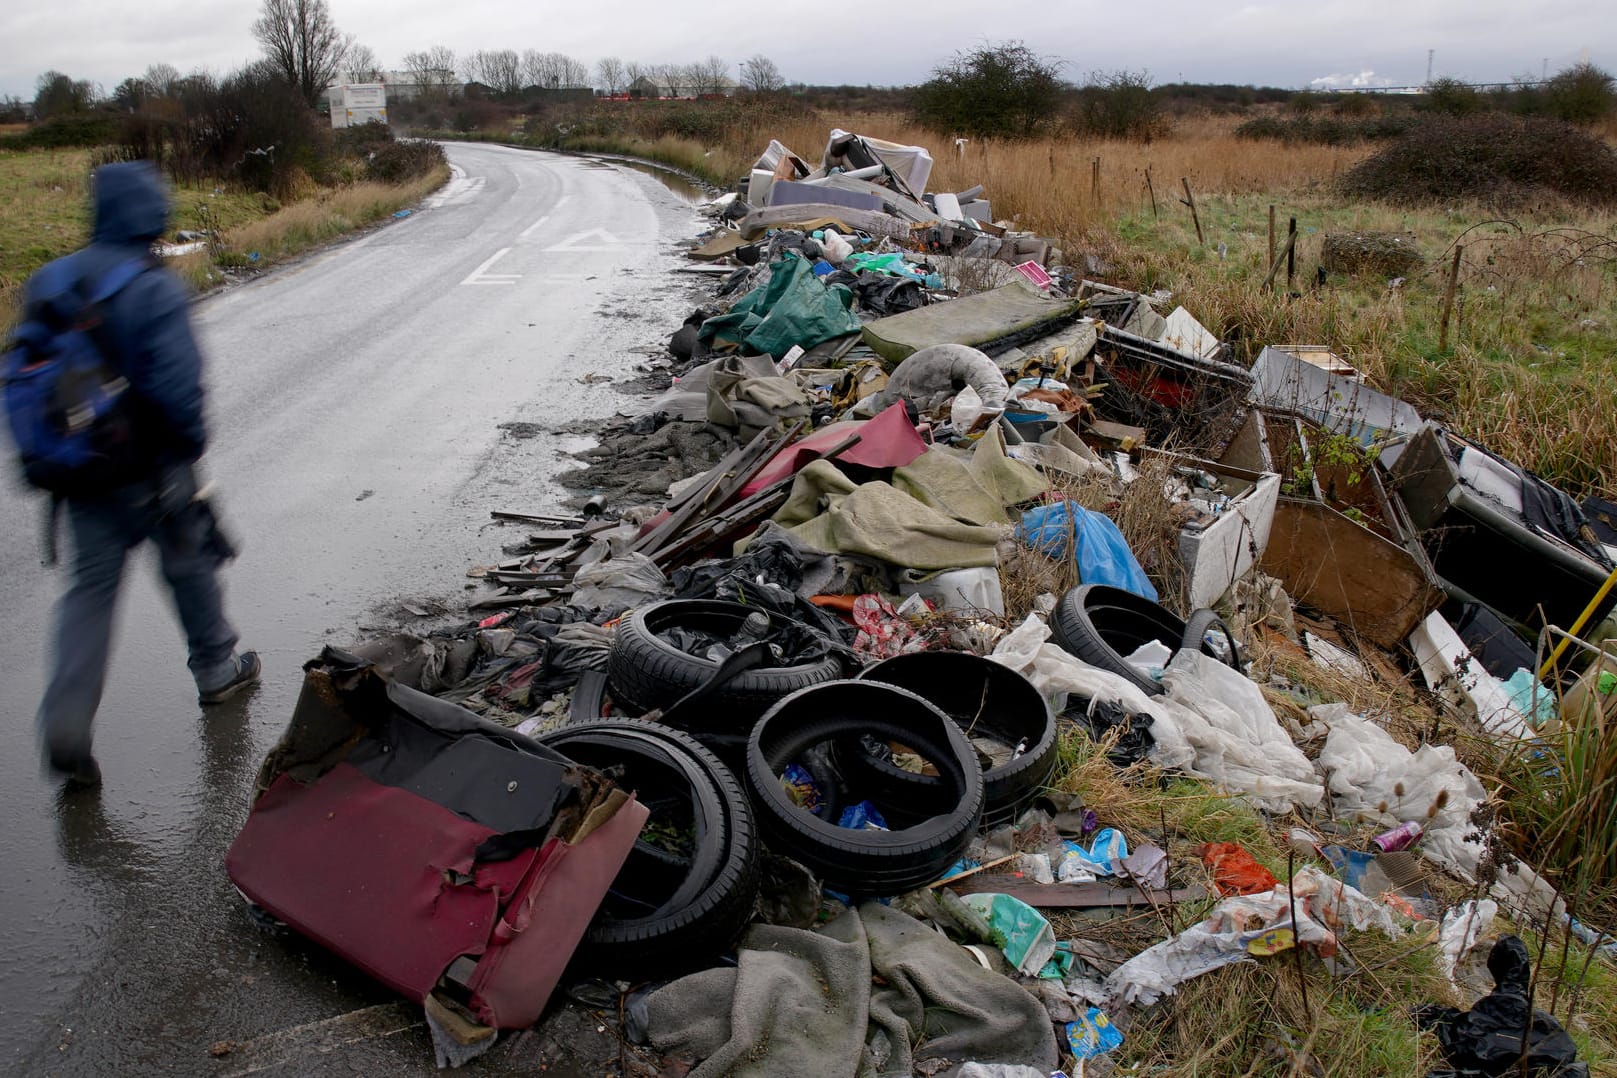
column 802, row 788
column 1029, row 940
column 1235, row 871
column 1092, row 1035
column 836, row 248
column 863, row 816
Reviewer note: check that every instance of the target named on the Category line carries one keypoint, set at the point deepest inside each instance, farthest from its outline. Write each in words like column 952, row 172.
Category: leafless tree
column 673, row 79
column 634, row 71
column 302, row 44
column 359, row 64
column 498, row 69
column 433, row 70
column 552, row 70
column 710, row 76
column 610, row 75
column 760, row 75
column 574, row 73
column 162, row 80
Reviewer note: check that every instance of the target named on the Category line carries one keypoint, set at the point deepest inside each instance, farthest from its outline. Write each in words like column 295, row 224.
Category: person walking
column 145, row 486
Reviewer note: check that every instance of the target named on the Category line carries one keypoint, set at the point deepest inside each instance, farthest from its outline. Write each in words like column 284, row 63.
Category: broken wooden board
column 1373, row 587
column 1074, row 896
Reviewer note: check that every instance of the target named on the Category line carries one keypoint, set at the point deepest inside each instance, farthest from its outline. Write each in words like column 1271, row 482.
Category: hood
column 131, row 203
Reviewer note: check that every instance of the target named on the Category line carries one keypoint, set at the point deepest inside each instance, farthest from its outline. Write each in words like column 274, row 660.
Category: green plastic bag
column 794, row 308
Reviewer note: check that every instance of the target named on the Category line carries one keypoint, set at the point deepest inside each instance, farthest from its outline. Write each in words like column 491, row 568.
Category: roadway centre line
column 479, row 276
column 560, row 202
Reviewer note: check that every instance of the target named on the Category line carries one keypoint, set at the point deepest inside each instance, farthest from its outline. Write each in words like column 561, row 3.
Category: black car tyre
column 649, row 921
column 983, row 698
column 863, row 862
column 647, row 672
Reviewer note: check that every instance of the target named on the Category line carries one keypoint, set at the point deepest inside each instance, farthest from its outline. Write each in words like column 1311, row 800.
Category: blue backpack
column 68, row 405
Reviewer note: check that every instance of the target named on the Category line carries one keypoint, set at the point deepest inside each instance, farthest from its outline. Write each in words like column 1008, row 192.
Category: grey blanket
column 802, row 1004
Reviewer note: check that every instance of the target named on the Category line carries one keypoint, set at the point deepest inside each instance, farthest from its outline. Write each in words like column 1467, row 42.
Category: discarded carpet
column 802, row 1004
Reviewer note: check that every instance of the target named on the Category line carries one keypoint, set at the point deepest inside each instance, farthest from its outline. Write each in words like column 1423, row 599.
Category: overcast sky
column 1363, row 42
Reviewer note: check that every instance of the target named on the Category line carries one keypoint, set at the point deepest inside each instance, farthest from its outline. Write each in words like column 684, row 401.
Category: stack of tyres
column 986, row 700
column 690, row 883
column 817, row 727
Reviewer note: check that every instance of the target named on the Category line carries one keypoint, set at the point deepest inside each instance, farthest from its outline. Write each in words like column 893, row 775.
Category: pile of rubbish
column 778, row 748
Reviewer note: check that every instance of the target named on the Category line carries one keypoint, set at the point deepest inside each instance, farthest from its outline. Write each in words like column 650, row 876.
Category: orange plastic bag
column 1235, row 871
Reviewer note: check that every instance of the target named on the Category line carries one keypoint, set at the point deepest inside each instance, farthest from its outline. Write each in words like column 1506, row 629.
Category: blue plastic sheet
column 1103, row 554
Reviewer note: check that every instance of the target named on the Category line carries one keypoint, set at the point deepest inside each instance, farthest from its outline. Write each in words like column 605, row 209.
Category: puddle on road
column 685, row 190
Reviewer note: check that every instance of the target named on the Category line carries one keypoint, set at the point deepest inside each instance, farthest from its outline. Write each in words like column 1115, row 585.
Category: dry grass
column 323, row 217
column 1529, row 364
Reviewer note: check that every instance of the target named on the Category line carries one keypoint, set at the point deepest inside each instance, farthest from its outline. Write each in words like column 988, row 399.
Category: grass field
column 45, row 213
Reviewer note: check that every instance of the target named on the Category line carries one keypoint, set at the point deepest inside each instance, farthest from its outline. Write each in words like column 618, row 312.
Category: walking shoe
column 247, row 671
column 79, row 772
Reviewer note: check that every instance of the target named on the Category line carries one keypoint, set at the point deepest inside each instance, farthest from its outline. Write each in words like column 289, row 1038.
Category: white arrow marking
column 480, row 276
column 603, row 241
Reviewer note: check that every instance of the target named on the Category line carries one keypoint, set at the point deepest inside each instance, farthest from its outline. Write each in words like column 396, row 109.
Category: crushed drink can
column 1401, row 837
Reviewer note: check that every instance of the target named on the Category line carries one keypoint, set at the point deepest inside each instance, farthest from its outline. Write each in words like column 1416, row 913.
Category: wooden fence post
column 1190, row 200
column 1271, row 236
column 1291, row 253
column 1152, row 191
column 1448, row 300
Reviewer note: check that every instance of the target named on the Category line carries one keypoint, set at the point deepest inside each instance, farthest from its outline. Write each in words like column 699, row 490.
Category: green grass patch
column 45, row 210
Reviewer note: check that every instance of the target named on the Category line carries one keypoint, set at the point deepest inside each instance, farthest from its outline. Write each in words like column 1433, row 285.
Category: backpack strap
column 116, row 280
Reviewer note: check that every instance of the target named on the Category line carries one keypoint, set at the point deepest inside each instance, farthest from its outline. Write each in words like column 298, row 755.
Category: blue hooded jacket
column 149, row 318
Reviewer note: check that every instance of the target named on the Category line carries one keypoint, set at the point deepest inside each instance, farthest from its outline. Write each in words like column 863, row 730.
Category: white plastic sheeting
column 1367, row 769
column 1462, row 925
column 1239, row 925
column 1239, row 743
column 1213, row 722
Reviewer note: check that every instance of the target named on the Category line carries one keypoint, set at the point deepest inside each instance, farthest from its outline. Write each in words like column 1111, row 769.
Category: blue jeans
column 104, row 530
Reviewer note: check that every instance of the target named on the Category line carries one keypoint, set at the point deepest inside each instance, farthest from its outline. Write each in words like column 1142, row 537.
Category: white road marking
column 560, row 202
column 582, row 241
column 460, row 188
column 481, row 276
column 320, row 1038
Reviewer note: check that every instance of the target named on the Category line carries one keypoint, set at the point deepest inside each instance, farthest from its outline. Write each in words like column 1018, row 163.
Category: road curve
column 355, row 401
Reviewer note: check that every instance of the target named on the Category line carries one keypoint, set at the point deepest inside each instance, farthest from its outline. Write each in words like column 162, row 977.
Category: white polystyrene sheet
column 1226, row 550
column 1490, row 477
column 947, row 205
column 1185, row 334
column 1449, row 667
column 758, row 186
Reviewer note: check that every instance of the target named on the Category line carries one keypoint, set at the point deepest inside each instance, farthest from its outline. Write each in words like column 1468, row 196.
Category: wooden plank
column 1373, row 587
column 541, row 519
column 1077, row 896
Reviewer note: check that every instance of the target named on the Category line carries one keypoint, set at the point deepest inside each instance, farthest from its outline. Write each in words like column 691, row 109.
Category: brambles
column 1494, row 158
column 1004, row 91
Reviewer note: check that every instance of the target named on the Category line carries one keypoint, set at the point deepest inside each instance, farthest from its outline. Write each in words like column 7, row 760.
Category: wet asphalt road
column 355, row 400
